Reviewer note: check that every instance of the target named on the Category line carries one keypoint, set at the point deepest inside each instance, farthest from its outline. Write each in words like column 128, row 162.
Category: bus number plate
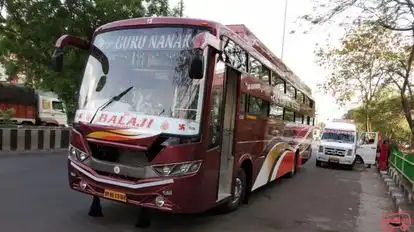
column 115, row 195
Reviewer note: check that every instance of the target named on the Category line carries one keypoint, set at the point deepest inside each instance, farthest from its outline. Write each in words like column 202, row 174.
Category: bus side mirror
column 196, row 68
column 61, row 43
column 57, row 60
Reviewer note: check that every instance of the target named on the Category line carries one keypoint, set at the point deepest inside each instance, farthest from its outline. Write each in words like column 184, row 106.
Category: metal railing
column 402, row 162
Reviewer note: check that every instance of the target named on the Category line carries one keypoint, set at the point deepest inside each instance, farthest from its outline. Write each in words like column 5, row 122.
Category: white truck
column 31, row 107
column 341, row 144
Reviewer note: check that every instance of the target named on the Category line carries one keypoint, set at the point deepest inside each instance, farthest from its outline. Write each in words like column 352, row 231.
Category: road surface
column 35, row 197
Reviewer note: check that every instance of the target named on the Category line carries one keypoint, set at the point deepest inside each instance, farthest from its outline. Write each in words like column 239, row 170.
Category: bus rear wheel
column 239, row 193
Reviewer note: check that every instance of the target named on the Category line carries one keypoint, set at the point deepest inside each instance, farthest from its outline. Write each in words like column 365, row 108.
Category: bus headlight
column 177, row 169
column 320, row 149
column 349, row 153
column 77, row 154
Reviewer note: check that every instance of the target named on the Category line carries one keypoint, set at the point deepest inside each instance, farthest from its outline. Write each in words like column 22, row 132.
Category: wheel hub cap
column 238, row 187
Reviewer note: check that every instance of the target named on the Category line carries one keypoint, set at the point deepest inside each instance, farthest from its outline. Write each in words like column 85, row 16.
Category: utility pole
column 284, row 30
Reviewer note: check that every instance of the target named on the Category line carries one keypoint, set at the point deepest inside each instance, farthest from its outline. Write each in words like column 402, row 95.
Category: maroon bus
column 183, row 115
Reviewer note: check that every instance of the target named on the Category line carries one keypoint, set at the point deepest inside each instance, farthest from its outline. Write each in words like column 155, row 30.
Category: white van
column 340, row 144
column 367, row 146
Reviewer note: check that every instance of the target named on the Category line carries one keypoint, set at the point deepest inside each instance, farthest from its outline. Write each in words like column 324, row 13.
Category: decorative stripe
column 276, row 168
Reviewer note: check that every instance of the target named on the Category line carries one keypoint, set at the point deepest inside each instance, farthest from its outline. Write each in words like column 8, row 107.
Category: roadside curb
column 400, row 190
column 33, row 152
column 22, row 140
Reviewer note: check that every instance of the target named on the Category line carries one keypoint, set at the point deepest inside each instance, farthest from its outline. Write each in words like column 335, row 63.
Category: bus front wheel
column 239, row 193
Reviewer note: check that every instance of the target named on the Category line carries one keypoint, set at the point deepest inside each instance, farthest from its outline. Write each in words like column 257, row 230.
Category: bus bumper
column 178, row 195
column 346, row 160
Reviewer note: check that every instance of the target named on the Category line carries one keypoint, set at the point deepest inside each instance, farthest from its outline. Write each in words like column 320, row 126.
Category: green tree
column 357, row 65
column 30, row 28
column 394, row 15
column 388, row 116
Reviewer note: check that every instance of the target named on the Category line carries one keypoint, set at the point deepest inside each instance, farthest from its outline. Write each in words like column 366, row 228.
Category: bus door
column 367, row 146
column 228, row 117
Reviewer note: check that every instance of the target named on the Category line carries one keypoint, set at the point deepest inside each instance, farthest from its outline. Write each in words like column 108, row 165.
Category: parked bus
column 183, row 115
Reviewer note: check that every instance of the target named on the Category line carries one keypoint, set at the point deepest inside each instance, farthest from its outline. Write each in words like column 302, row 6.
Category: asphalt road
column 35, row 197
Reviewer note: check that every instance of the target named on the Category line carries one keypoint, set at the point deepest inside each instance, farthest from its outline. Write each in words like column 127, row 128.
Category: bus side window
column 258, row 107
column 276, row 112
column 290, row 91
column 288, row 115
column 298, row 118
column 278, row 82
column 234, row 55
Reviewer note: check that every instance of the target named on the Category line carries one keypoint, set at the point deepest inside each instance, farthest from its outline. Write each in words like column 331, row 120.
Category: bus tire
column 238, row 194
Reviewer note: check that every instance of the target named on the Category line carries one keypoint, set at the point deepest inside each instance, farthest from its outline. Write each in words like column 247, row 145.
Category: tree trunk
column 367, row 119
column 407, row 113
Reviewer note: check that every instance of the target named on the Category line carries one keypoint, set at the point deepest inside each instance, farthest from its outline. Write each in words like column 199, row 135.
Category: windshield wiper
column 114, row 98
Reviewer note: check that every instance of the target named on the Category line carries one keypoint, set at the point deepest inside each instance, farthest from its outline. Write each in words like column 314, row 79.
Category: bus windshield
column 152, row 64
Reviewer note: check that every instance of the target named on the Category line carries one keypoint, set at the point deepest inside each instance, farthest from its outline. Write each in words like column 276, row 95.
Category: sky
column 265, row 19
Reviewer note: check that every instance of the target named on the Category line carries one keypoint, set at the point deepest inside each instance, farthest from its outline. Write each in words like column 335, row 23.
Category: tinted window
column 288, row 115
column 234, row 55
column 307, row 101
column 300, row 97
column 58, row 105
column 258, row 106
column 258, row 70
column 276, row 112
column 290, row 90
column 265, row 75
column 278, row 82
column 255, row 68
column 298, row 118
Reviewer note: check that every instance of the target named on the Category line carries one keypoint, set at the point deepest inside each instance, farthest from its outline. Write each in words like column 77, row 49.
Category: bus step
column 222, row 196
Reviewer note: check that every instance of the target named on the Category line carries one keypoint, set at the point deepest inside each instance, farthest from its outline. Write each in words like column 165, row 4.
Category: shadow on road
column 119, row 214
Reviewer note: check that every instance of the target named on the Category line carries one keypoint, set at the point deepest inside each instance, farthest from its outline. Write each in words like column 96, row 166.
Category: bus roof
column 250, row 41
